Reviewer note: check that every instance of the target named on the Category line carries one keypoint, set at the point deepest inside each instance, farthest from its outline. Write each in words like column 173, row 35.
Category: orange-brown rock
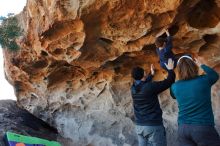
column 73, row 68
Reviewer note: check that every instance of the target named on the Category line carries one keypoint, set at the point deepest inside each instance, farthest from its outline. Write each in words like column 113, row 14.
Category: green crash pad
column 13, row 138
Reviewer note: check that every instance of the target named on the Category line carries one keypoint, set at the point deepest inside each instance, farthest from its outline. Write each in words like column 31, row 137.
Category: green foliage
column 2, row 17
column 9, row 31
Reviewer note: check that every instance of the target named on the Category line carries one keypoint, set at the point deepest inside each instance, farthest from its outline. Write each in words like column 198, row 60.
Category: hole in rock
column 66, row 64
column 205, row 14
column 173, row 30
column 108, row 41
column 95, row 73
column 15, row 61
column 40, row 64
column 203, row 49
column 58, row 51
column 185, row 38
column 210, row 38
column 117, row 69
column 57, row 64
column 130, row 42
column 44, row 53
column 149, row 47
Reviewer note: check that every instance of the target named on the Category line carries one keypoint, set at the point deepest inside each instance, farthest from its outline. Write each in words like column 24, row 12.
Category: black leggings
column 192, row 135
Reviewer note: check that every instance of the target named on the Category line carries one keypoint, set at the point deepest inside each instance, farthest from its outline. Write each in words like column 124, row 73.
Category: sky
column 8, row 6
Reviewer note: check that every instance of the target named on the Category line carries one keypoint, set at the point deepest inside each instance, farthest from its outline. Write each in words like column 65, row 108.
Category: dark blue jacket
column 194, row 98
column 166, row 52
column 146, row 105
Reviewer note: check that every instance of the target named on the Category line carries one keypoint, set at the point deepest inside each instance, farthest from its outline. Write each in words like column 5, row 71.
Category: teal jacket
column 194, row 98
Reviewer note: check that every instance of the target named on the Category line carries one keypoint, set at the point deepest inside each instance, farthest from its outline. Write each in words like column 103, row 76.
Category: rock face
column 73, row 68
column 20, row 121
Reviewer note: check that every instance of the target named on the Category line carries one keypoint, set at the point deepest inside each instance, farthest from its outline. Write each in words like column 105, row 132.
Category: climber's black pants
column 192, row 135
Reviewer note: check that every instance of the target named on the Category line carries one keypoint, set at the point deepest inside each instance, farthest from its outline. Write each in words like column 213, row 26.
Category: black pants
column 192, row 135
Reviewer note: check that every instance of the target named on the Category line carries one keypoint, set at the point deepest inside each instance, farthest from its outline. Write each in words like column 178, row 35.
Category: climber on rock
column 147, row 111
column 164, row 48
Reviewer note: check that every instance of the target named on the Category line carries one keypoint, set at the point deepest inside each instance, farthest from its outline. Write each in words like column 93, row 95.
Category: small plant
column 9, row 31
column 2, row 18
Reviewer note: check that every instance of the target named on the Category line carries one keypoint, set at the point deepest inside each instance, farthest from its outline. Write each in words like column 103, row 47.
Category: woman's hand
column 198, row 61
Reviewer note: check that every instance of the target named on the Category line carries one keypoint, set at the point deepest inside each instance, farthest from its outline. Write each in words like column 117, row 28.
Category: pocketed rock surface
column 73, row 68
